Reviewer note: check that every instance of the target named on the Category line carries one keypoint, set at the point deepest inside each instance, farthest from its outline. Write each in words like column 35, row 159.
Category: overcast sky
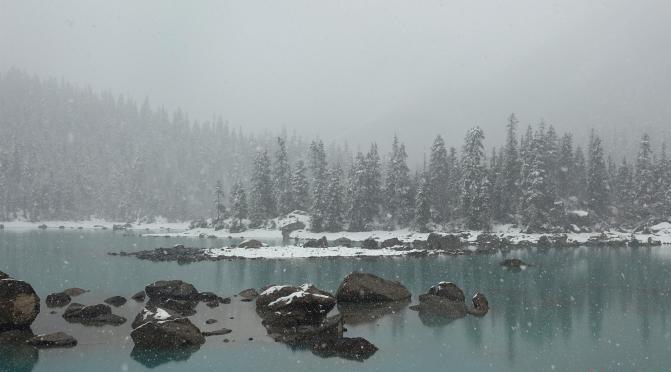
column 363, row 70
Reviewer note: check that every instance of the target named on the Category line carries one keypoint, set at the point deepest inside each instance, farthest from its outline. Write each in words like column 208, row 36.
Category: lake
column 575, row 309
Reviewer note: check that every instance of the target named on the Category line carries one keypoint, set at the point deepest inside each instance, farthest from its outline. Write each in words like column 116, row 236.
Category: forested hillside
column 71, row 153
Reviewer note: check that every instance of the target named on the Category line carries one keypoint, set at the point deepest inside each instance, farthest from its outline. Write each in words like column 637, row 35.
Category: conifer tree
column 263, row 203
column 399, row 198
column 472, row 175
column 335, row 201
column 422, row 205
column 282, row 179
column 319, row 185
column 300, row 187
column 597, row 186
column 645, row 179
column 438, row 181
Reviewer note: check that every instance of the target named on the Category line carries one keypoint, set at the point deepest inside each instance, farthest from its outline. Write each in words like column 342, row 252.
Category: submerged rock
column 513, row 263
column 248, row 295
column 356, row 313
column 139, row 297
column 356, row 348
column 53, row 340
column 19, row 304
column 167, row 334
column 116, row 301
column 95, row 315
column 218, row 332
column 57, row 299
column 360, row 287
column 16, row 354
column 74, row 292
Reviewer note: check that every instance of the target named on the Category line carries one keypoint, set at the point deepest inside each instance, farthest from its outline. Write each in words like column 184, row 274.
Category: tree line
column 70, row 153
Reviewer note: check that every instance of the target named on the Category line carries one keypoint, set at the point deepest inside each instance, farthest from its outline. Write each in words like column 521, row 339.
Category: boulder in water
column 139, row 297
column 95, row 315
column 116, row 301
column 171, row 289
column 356, row 348
column 480, row 305
column 167, row 334
column 53, row 340
column 59, row 299
column 360, row 287
column 74, row 292
column 19, row 304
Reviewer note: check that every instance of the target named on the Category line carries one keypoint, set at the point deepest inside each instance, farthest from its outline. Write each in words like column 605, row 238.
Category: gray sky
column 363, row 70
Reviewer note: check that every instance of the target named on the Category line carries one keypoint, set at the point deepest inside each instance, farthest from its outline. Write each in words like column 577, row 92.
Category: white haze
column 363, row 70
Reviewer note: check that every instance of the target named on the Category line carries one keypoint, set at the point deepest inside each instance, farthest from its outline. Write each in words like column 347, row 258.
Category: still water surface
column 574, row 310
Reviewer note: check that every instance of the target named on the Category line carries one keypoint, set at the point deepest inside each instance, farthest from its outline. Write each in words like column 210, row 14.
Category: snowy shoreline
column 93, row 224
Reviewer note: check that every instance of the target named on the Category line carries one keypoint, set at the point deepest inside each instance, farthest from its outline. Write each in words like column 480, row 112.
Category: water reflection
column 155, row 358
column 15, row 354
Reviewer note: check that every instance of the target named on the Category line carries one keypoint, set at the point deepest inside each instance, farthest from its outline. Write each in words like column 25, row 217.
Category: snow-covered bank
column 94, row 225
column 300, row 252
column 659, row 233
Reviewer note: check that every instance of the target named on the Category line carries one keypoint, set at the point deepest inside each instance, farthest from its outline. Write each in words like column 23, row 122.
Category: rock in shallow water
column 175, row 289
column 74, row 292
column 139, row 297
column 57, row 299
column 289, row 304
column 167, row 334
column 19, row 304
column 53, row 340
column 356, row 348
column 218, row 332
column 116, row 301
column 360, row 287
column 95, row 315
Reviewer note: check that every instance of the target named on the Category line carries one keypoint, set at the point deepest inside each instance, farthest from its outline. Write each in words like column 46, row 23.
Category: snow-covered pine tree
column 509, row 180
column 662, row 184
column 300, row 187
column 400, row 206
column 219, row 207
column 579, row 175
column 373, row 189
column 262, row 201
column 282, row 179
column 624, row 191
column 565, row 166
column 537, row 199
column 472, row 175
column 597, row 185
column 356, row 191
column 335, row 201
column 423, row 204
column 319, row 185
column 238, row 207
column 645, row 179
column 438, row 181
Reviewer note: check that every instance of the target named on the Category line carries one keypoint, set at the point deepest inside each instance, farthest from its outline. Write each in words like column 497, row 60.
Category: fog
column 362, row 71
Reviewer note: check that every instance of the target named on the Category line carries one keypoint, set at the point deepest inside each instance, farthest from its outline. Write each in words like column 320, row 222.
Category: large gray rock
column 316, row 243
column 370, row 243
column 360, row 287
column 441, row 306
column 94, row 315
column 116, row 301
column 392, row 242
column 19, row 304
column 174, row 289
column 294, row 304
column 167, row 334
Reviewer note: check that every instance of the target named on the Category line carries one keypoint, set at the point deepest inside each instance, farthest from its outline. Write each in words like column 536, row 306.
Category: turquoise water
column 574, row 310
